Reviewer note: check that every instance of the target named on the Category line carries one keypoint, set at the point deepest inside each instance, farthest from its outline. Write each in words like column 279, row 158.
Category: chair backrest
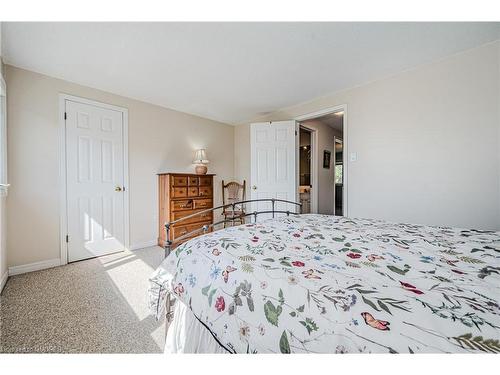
column 233, row 192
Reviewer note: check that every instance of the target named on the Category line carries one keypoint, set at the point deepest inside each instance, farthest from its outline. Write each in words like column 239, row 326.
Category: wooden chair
column 233, row 192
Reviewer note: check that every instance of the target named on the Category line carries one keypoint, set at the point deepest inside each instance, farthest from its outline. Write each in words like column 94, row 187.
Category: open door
column 273, row 164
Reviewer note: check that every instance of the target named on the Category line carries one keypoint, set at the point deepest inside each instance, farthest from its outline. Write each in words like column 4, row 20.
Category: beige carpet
column 97, row 305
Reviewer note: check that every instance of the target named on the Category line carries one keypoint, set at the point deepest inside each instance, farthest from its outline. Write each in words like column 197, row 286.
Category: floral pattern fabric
column 329, row 284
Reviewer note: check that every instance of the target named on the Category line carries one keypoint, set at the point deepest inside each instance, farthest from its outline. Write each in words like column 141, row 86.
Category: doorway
column 275, row 161
column 339, row 176
column 305, row 169
column 94, row 209
column 324, row 189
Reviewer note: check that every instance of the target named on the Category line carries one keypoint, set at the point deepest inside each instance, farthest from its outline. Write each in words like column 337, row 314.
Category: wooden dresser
column 180, row 195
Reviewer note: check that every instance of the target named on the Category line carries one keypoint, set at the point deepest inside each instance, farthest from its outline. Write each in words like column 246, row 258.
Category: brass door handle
column 254, row 187
column 118, row 189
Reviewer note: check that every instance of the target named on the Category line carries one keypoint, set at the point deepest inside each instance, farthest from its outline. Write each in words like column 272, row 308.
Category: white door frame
column 322, row 112
column 63, row 212
column 314, row 167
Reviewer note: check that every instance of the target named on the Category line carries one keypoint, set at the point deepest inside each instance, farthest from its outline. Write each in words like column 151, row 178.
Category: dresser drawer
column 202, row 203
column 179, row 192
column 180, row 214
column 192, row 191
column 180, row 196
column 205, row 191
column 182, row 205
column 185, row 229
column 204, row 216
column 205, row 181
column 179, row 181
column 179, row 231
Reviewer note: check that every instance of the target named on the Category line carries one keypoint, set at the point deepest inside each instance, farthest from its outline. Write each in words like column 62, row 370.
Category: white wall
column 242, row 156
column 498, row 122
column 160, row 140
column 3, row 211
column 3, row 242
column 427, row 142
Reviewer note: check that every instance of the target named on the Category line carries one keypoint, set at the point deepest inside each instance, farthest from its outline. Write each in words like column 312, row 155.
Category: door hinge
column 65, row 116
column 67, row 238
column 295, row 132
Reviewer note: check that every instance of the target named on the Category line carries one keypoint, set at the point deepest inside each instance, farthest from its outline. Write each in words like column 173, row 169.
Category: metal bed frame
column 205, row 228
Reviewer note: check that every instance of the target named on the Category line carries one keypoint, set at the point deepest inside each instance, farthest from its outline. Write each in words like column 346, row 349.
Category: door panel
column 95, row 181
column 262, row 164
column 273, row 164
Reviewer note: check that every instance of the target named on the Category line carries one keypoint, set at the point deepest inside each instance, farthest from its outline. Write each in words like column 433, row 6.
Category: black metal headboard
column 205, row 228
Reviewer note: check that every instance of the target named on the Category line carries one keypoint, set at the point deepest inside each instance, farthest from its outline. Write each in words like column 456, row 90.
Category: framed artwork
column 326, row 159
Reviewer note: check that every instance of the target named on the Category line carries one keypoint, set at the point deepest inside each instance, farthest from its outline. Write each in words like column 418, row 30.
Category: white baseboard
column 3, row 280
column 142, row 245
column 16, row 270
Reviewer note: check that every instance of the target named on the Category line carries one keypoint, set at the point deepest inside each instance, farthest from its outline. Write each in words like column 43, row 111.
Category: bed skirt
column 187, row 335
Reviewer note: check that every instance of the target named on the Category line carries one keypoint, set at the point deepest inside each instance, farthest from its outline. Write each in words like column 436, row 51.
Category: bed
column 330, row 284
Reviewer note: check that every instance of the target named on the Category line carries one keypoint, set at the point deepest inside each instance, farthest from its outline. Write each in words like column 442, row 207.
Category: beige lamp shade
column 200, row 157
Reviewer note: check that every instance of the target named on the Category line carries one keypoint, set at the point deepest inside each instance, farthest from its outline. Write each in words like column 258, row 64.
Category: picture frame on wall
column 327, row 155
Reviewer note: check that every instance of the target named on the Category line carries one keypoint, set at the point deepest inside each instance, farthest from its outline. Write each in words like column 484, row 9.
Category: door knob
column 118, row 188
column 254, row 187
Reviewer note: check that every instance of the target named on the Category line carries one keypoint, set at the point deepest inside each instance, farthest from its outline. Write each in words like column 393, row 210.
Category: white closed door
column 273, row 164
column 95, row 180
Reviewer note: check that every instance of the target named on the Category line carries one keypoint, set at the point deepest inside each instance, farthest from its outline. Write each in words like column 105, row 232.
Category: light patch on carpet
column 93, row 306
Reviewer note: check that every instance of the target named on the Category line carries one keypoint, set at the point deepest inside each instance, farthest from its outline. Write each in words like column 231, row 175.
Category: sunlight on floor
column 119, row 267
column 135, row 292
column 96, row 305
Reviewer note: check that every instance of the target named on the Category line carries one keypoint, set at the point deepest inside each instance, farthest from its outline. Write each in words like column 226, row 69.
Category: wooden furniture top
column 185, row 174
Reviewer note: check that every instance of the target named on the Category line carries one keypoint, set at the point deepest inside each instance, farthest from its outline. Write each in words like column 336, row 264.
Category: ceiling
column 232, row 72
column 334, row 120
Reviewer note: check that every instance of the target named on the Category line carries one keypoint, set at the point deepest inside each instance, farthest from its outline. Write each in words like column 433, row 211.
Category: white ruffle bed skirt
column 187, row 335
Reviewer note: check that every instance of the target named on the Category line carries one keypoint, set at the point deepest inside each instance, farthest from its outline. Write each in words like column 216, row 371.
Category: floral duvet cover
column 328, row 284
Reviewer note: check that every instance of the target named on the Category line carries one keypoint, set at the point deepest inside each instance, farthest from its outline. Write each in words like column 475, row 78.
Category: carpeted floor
column 97, row 305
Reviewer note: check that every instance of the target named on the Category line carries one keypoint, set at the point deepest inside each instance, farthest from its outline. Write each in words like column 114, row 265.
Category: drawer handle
column 184, row 232
column 185, row 205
